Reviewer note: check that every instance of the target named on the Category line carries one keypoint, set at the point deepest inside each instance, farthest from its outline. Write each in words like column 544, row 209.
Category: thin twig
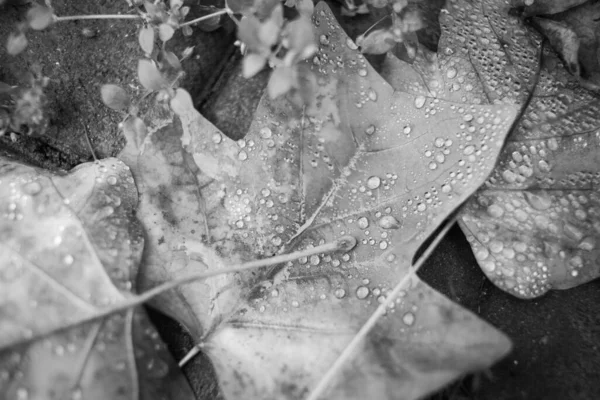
column 97, row 16
column 205, row 17
column 345, row 243
column 350, row 349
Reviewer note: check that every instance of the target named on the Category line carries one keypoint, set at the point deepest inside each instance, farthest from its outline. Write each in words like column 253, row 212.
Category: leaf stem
column 350, row 349
column 205, row 17
column 344, row 243
column 95, row 16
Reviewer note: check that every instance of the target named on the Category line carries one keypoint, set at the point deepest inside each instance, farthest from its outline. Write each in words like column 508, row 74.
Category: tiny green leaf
column 182, row 102
column 149, row 76
column 146, row 39
column 379, row 41
column 301, row 37
column 282, row 80
column 169, row 58
column 115, row 97
column 165, row 32
column 135, row 130
column 16, row 43
column 252, row 64
column 39, row 17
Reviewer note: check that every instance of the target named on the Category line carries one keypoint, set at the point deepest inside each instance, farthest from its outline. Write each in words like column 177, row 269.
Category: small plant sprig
column 398, row 27
column 265, row 38
column 282, row 45
column 22, row 107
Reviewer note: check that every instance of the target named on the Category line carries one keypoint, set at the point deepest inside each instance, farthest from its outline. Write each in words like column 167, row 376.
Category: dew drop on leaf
column 408, row 318
column 373, row 182
column 419, row 101
column 362, row 292
column 388, row 222
column 363, row 223
column 217, row 138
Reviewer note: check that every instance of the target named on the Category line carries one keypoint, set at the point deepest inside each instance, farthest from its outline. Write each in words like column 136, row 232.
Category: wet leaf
column 39, row 17
column 115, row 97
column 534, row 226
column 545, row 7
column 350, row 163
column 69, row 248
column 563, row 40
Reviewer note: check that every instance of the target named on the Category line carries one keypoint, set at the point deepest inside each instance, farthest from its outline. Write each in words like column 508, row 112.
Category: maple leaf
column 348, row 164
column 69, row 249
column 535, row 224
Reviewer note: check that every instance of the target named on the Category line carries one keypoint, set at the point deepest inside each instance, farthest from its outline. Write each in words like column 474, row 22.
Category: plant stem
column 344, row 243
column 205, row 17
column 350, row 349
column 96, row 16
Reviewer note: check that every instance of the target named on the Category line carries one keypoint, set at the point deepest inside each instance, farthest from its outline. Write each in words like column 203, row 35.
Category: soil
column 556, row 338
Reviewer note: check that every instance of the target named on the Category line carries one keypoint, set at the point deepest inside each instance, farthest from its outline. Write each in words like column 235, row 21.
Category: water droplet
column 68, row 259
column 295, row 304
column 314, row 259
column 362, row 292
column 495, row 211
column 112, row 180
column 407, row 129
column 362, row 222
column 383, row 245
column 157, row 368
column 537, row 202
column 446, row 188
column 22, row 394
column 370, row 130
column 217, row 138
column 242, row 155
column 509, row 176
column 372, row 95
column 373, row 182
column 362, row 72
column 388, row 222
column 470, row 149
column 420, row 101
column 496, row 246
column 433, row 165
column 77, row 394
column 451, row 73
column 266, row 133
column 408, row 318
column 421, row 207
column 339, row 293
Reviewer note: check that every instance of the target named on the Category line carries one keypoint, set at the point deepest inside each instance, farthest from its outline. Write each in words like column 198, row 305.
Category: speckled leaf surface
column 70, row 246
column 534, row 226
column 348, row 164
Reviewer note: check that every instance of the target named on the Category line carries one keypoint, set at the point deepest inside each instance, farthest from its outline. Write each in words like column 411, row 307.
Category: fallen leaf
column 69, row 248
column 350, row 163
column 545, row 7
column 534, row 226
